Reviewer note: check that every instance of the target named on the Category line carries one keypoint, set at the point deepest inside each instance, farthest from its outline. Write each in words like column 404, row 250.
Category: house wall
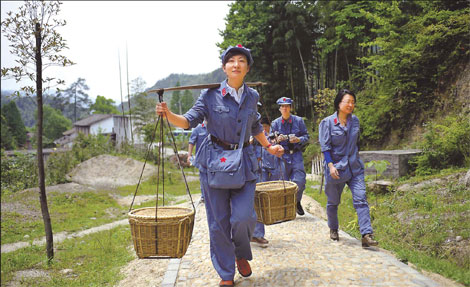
column 105, row 126
column 398, row 160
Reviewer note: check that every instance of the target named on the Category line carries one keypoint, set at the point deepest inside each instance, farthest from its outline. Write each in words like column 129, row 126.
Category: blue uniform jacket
column 294, row 125
column 341, row 142
column 224, row 120
column 198, row 135
column 268, row 161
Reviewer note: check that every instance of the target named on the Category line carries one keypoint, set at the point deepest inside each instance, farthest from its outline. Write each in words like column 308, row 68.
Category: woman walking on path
column 339, row 134
column 231, row 114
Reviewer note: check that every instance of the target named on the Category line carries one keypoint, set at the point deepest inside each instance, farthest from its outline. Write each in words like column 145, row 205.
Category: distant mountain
column 27, row 105
column 215, row 76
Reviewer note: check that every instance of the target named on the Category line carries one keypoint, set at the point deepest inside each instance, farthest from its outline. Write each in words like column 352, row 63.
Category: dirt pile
column 107, row 171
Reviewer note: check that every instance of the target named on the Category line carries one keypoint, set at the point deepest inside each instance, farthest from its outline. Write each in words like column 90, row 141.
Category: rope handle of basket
column 282, row 165
column 160, row 159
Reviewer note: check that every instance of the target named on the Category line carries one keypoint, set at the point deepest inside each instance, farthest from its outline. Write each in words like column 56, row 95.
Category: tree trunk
column 309, row 87
column 347, row 66
column 336, row 67
column 292, row 88
column 75, row 106
column 42, row 186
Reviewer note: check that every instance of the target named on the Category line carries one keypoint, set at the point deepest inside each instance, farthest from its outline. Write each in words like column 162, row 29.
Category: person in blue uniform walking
column 268, row 171
column 339, row 135
column 231, row 114
column 195, row 140
column 294, row 136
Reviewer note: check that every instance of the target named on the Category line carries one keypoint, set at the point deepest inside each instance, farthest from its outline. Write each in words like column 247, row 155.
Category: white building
column 118, row 127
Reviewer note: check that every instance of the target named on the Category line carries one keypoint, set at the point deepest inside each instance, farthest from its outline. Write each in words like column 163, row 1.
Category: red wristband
column 268, row 146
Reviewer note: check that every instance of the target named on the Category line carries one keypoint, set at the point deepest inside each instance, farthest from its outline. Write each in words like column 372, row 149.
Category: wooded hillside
column 400, row 57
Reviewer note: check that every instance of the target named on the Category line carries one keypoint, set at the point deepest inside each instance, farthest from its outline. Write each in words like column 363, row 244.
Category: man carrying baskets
column 293, row 136
column 227, row 162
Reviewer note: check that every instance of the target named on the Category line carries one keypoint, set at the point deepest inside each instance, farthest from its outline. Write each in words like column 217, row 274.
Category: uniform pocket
column 338, row 137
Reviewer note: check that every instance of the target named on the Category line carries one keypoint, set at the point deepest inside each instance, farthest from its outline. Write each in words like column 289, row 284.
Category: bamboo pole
column 202, row 86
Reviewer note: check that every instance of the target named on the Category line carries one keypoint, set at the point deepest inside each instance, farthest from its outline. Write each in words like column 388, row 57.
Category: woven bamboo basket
column 174, row 227
column 275, row 201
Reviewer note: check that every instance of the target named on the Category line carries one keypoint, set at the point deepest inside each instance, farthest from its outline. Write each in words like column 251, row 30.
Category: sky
column 161, row 38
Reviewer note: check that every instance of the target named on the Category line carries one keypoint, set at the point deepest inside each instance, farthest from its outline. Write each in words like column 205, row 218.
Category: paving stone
column 300, row 253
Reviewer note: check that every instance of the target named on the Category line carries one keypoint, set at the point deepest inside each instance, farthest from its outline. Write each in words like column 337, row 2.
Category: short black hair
column 265, row 121
column 340, row 96
column 231, row 54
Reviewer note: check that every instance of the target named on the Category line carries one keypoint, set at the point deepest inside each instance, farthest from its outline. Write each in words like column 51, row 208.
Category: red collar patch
column 223, row 159
column 336, row 121
column 290, row 121
column 224, row 92
column 202, row 125
column 282, row 120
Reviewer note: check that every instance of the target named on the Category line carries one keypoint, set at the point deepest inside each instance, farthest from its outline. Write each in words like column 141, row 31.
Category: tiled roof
column 86, row 122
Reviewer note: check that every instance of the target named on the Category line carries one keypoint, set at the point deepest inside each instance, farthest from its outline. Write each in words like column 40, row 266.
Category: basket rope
column 161, row 162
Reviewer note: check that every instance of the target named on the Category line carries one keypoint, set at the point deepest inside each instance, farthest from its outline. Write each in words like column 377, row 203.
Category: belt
column 292, row 151
column 225, row 145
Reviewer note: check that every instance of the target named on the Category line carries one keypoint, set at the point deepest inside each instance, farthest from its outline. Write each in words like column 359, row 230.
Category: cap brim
column 244, row 52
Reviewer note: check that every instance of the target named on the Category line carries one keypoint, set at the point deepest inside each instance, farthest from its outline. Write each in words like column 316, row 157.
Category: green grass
column 73, row 212
column 68, row 211
column 174, row 187
column 95, row 260
column 417, row 225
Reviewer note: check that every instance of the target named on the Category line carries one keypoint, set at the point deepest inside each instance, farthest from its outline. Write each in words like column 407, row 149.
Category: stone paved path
column 300, row 254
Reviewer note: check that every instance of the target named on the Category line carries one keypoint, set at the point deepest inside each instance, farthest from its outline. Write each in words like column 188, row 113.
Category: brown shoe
column 368, row 240
column 334, row 234
column 243, row 267
column 260, row 241
column 226, row 283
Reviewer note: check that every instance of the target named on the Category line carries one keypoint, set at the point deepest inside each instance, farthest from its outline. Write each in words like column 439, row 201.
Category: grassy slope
column 419, row 225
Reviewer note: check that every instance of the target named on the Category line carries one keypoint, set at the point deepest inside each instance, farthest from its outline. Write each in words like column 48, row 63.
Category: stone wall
column 397, row 158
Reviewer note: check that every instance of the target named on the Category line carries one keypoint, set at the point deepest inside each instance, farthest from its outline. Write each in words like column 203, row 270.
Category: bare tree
column 34, row 37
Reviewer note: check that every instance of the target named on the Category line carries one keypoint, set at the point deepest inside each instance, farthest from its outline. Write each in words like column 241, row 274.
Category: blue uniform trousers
column 202, row 188
column 358, row 189
column 234, row 210
column 294, row 171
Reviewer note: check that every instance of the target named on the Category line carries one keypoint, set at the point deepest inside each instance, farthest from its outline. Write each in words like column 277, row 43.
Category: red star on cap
column 284, row 99
column 239, row 46
column 224, row 92
column 223, row 159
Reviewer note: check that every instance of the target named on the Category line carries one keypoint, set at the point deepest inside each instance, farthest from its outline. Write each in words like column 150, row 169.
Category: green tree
column 14, row 123
column 79, row 99
column 38, row 19
column 8, row 141
column 103, row 106
column 144, row 112
column 187, row 101
column 175, row 104
column 55, row 123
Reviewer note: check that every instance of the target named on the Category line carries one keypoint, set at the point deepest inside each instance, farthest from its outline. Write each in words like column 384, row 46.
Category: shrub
column 444, row 145
column 58, row 165
column 88, row 146
column 18, row 172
